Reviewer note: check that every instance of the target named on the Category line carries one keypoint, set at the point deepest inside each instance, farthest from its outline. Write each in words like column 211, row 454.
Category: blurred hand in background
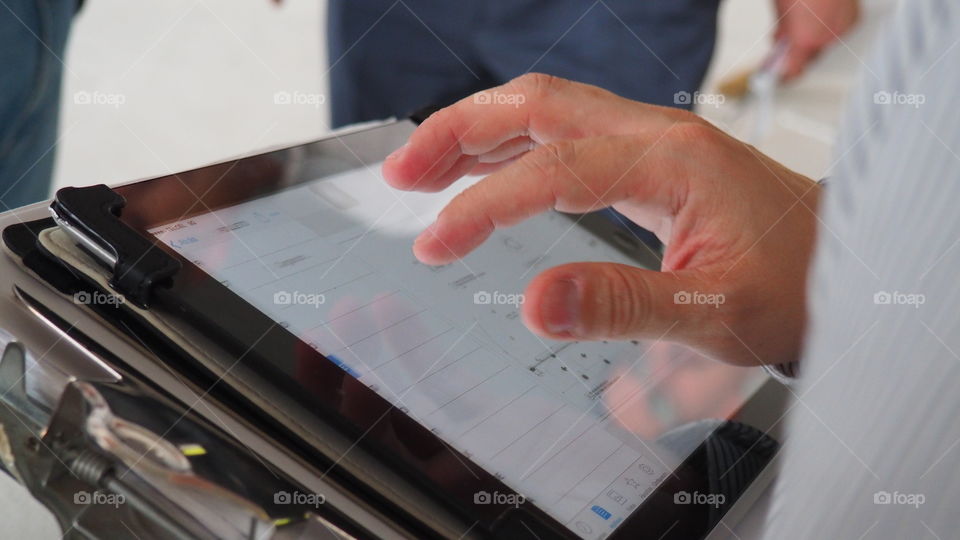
column 810, row 26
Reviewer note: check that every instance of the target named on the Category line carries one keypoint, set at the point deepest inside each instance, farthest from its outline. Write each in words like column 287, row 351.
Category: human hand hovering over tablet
column 738, row 227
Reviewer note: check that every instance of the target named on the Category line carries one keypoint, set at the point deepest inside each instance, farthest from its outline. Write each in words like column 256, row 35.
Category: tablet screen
column 570, row 426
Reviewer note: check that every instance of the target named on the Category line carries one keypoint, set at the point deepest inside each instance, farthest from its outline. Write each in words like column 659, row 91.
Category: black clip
column 91, row 216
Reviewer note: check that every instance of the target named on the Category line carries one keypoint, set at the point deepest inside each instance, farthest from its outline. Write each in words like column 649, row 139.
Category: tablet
column 315, row 241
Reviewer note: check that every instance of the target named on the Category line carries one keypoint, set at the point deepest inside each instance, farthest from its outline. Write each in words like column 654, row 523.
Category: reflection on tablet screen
column 568, row 425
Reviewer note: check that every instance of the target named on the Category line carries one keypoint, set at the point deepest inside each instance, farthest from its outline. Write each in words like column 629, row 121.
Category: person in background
column 33, row 36
column 391, row 58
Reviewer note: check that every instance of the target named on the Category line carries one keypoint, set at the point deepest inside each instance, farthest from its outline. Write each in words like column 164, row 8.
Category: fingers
column 796, row 61
column 464, row 165
column 483, row 169
column 572, row 176
column 510, row 149
column 811, row 26
column 534, row 106
column 592, row 301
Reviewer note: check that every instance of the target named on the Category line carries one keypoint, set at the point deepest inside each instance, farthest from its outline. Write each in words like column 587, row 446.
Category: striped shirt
column 873, row 445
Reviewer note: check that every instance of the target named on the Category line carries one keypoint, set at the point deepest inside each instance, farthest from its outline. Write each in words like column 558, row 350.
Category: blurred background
column 197, row 80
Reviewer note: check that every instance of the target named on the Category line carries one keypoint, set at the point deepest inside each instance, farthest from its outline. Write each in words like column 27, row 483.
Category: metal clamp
column 91, row 216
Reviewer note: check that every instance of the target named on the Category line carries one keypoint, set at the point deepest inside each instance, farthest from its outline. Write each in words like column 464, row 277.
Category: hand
column 809, row 26
column 735, row 223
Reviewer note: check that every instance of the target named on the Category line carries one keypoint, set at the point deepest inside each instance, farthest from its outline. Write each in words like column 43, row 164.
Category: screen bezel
column 204, row 301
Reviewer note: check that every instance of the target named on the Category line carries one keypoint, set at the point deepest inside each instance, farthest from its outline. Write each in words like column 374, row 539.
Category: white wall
column 197, row 80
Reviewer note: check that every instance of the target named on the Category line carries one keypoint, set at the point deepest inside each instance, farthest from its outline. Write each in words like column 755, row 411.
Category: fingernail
column 398, row 152
column 561, row 307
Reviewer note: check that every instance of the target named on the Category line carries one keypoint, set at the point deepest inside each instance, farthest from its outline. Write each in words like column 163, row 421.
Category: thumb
column 591, row 301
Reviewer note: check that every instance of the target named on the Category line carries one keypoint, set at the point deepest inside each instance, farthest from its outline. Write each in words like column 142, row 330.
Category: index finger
column 544, row 108
column 571, row 176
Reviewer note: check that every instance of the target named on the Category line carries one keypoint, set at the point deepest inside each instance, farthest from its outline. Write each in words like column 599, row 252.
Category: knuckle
column 548, row 160
column 554, row 163
column 692, row 132
column 561, row 152
column 538, row 85
column 623, row 302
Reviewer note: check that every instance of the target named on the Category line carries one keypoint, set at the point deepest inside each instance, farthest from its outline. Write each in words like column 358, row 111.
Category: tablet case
column 55, row 246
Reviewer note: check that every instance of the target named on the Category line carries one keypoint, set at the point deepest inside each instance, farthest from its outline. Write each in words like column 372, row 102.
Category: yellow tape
column 191, row 450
